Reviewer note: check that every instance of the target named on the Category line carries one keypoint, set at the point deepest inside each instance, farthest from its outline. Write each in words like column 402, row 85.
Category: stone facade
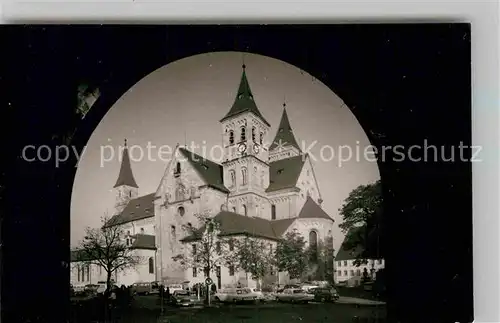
column 258, row 181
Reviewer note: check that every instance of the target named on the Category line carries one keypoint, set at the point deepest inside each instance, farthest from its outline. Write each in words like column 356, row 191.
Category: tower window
column 273, row 212
column 245, row 210
column 244, row 175
column 151, row 265
column 142, row 230
column 253, row 134
column 243, row 134
column 181, row 211
column 177, row 169
column 231, row 137
column 232, row 174
column 234, row 209
column 172, row 231
column 179, row 192
column 261, row 138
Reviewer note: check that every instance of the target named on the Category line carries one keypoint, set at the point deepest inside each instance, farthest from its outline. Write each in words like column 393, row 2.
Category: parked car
column 79, row 289
column 282, row 289
column 325, row 294
column 306, row 287
column 294, row 295
column 234, row 295
column 143, row 288
column 181, row 298
column 172, row 288
column 257, row 293
column 91, row 289
column 102, row 286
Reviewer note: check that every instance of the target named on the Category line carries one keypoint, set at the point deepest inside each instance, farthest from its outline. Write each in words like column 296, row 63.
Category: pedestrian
column 168, row 294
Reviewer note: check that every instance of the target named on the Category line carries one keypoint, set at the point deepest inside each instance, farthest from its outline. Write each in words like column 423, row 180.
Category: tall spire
column 284, row 136
column 244, row 101
column 125, row 176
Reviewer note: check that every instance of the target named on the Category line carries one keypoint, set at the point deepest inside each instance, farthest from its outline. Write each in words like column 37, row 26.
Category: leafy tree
column 254, row 257
column 208, row 249
column 321, row 260
column 291, row 255
column 86, row 96
column 105, row 247
column 361, row 222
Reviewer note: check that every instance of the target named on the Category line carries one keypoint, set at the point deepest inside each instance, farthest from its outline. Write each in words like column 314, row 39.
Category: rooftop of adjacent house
column 211, row 172
column 140, row 241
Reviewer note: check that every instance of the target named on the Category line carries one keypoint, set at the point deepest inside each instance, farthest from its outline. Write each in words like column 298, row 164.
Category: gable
column 307, row 180
column 284, row 173
column 211, row 172
column 137, row 209
column 311, row 210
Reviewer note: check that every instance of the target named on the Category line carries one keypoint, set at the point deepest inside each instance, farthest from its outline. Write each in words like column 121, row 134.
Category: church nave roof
column 137, row 209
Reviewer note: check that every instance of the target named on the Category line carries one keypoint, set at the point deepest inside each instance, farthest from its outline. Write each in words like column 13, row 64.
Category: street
column 147, row 309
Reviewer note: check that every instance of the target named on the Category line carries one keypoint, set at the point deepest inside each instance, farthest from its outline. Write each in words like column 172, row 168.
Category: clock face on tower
column 242, row 148
column 256, row 149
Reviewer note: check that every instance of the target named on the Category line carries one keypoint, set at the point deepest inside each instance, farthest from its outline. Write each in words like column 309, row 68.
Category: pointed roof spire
column 284, row 137
column 244, row 101
column 125, row 177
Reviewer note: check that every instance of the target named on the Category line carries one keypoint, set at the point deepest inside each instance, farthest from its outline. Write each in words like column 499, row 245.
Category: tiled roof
column 211, row 173
column 80, row 255
column 233, row 224
column 285, row 134
column 346, row 253
column 280, row 226
column 137, row 209
column 143, row 241
column 244, row 101
column 312, row 210
column 284, row 173
column 125, row 177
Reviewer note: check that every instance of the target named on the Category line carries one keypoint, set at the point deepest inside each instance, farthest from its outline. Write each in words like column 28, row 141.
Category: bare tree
column 105, row 247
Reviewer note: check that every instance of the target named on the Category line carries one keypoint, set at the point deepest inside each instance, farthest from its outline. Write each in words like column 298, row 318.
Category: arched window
column 253, row 134
column 177, row 168
column 261, row 138
column 142, row 230
column 244, row 176
column 151, row 265
column 244, row 209
column 243, row 133
column 232, row 174
column 181, row 211
column 129, row 193
column 179, row 192
column 234, row 209
column 231, row 137
column 273, row 212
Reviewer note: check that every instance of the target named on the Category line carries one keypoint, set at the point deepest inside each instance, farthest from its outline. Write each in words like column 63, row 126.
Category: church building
column 258, row 189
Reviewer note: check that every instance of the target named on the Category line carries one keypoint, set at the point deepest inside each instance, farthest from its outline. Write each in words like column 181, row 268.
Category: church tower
column 126, row 188
column 284, row 144
column 246, row 172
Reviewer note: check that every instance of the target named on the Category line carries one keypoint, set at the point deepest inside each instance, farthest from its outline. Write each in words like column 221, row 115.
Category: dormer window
column 281, row 130
column 243, row 134
column 280, row 171
column 231, row 137
column 205, row 167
